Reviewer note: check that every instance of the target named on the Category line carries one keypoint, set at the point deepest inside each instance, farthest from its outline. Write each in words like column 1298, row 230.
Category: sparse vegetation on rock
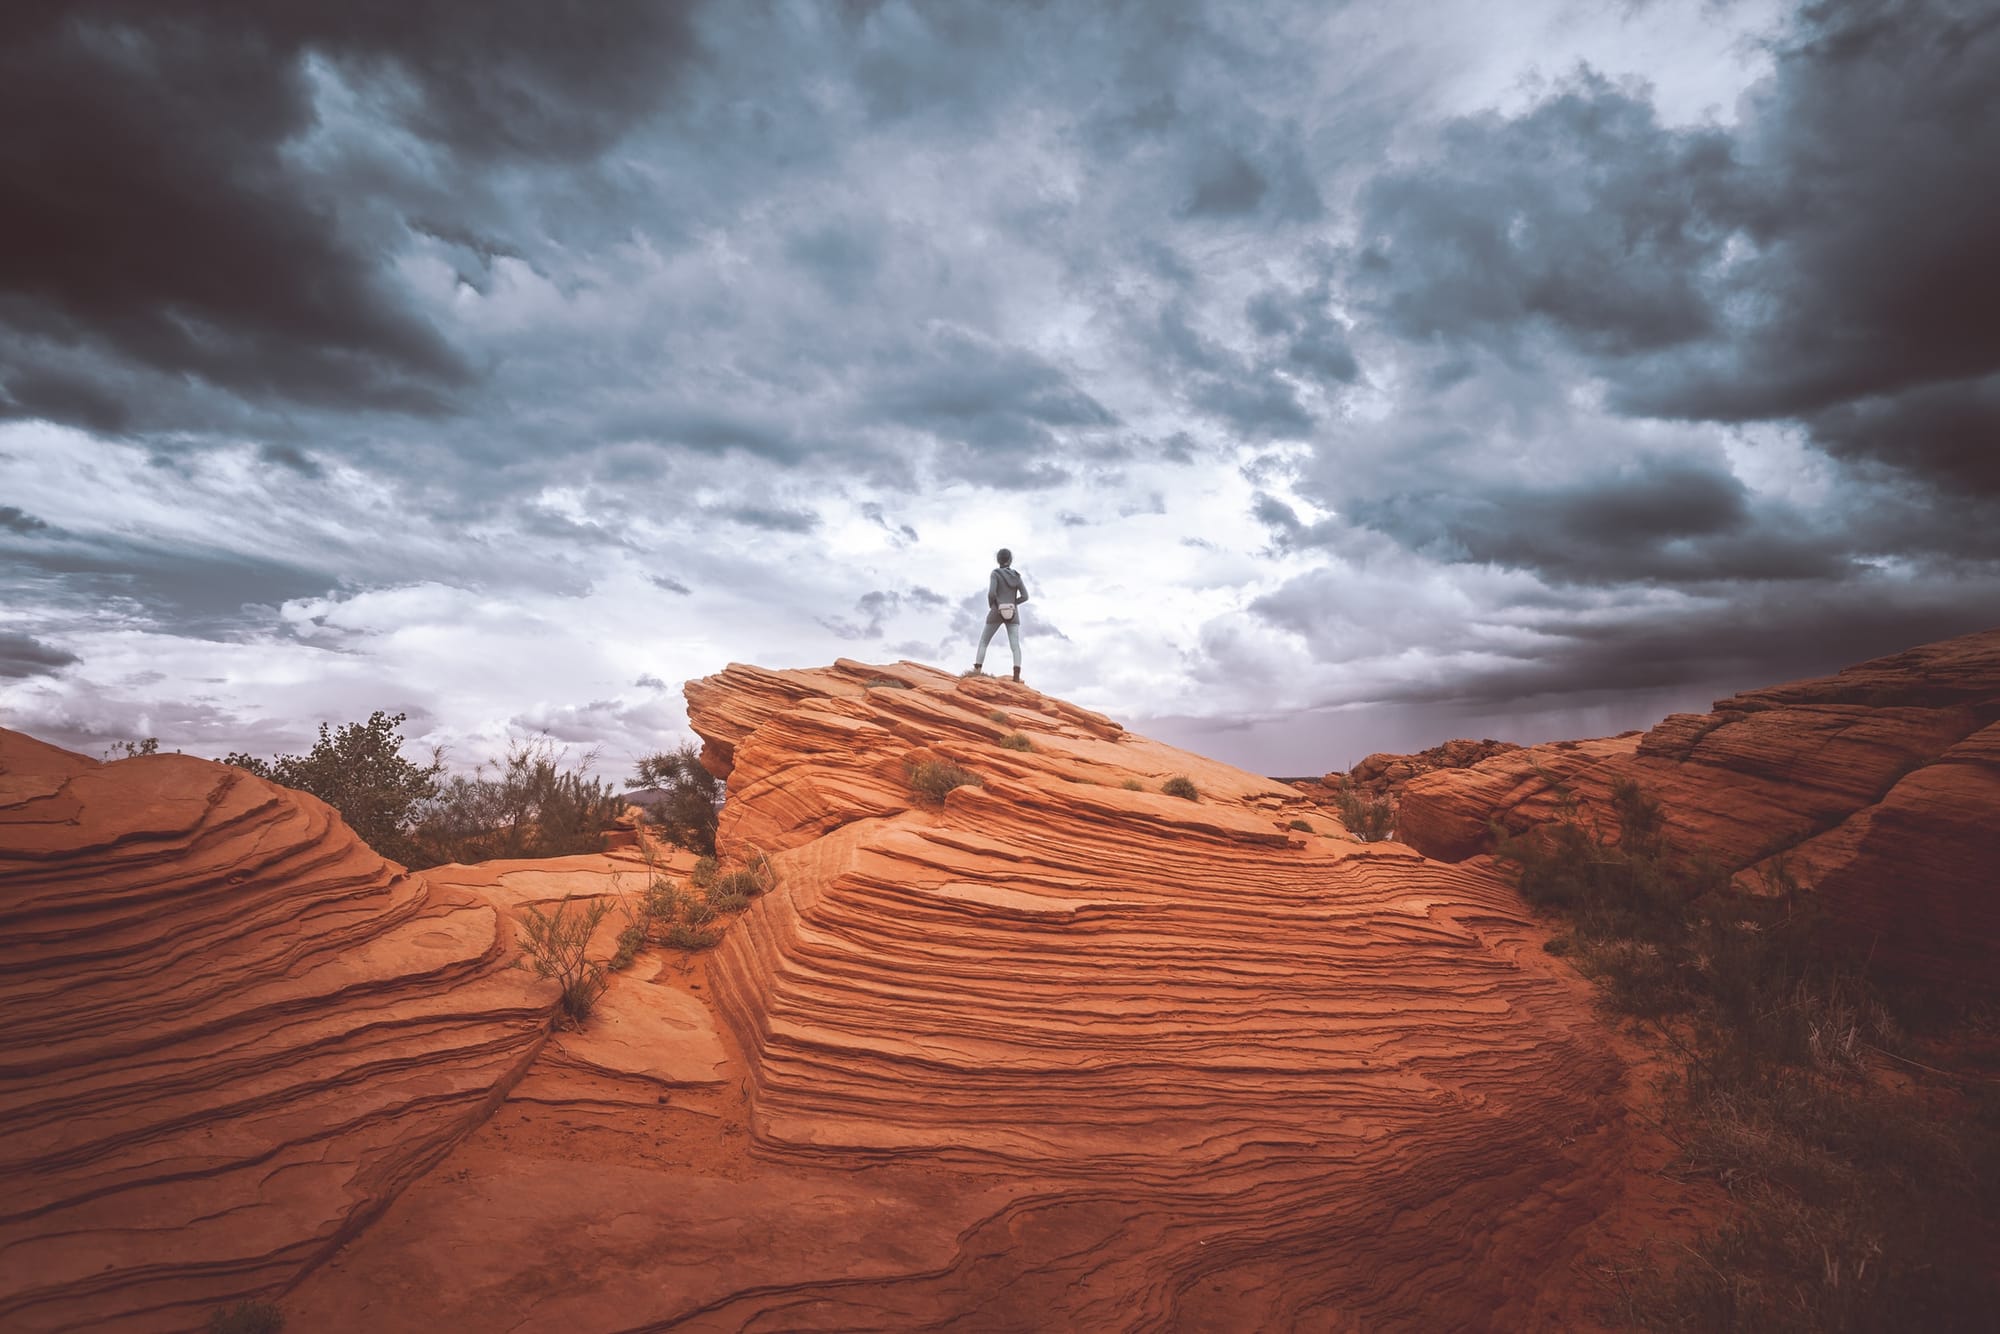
column 1301, row 826
column 557, row 945
column 930, row 780
column 694, row 797
column 125, row 750
column 1182, row 787
column 1368, row 818
column 1016, row 741
column 1860, row 1203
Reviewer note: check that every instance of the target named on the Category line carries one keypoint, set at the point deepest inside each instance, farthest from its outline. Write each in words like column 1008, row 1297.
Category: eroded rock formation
column 1877, row 789
column 1215, row 1067
column 1061, row 1051
column 229, row 1034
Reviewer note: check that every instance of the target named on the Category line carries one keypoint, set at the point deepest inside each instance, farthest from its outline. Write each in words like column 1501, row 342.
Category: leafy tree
column 693, row 797
column 361, row 772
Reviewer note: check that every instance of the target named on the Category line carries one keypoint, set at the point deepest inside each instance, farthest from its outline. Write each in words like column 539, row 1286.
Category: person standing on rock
column 1005, row 592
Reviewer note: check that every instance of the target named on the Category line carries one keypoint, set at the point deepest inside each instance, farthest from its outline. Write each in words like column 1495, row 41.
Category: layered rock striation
column 1876, row 789
column 1220, row 1069
column 230, row 1033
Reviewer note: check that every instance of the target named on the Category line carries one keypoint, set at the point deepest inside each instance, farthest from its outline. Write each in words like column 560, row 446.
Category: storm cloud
column 1334, row 372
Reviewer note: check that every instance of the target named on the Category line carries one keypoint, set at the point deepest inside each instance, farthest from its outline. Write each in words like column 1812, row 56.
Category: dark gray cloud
column 155, row 209
column 24, row 656
column 14, row 520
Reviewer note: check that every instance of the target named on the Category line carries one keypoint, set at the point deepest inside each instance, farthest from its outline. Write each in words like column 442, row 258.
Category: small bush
column 692, row 938
column 732, row 892
column 557, row 946
column 1367, row 818
column 884, row 683
column 1301, row 826
column 533, row 805
column 247, row 1317
column 999, row 716
column 1133, row 785
column 693, row 802
column 931, row 779
column 704, row 873
column 126, row 750
column 1016, row 741
column 1182, row 787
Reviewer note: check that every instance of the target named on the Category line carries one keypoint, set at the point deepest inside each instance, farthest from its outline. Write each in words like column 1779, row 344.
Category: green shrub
column 704, row 872
column 684, row 936
column 693, row 803
column 1300, row 825
column 1367, row 818
column 532, row 806
column 999, row 716
column 1016, row 741
column 557, row 945
column 247, row 1317
column 731, row 892
column 1133, row 785
column 360, row 772
column 1182, row 787
column 931, row 779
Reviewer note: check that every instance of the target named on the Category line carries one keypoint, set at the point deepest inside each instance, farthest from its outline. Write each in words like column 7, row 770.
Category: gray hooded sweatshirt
column 1004, row 585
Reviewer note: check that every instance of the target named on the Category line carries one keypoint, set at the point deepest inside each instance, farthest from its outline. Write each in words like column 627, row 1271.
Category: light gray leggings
column 1013, row 640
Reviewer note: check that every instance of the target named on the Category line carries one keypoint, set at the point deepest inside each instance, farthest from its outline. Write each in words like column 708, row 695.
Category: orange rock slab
column 1231, row 1072
column 229, row 1034
column 1877, row 788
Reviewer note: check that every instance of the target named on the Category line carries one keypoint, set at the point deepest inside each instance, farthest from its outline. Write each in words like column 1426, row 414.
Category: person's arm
column 1022, row 585
column 993, row 589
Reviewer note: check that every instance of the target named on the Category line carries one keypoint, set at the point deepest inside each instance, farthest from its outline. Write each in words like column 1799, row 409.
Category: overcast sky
column 1344, row 377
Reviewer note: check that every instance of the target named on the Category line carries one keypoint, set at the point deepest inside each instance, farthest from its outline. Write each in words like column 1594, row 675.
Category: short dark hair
column 1003, row 555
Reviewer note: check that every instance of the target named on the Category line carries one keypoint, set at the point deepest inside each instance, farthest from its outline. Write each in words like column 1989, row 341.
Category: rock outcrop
column 1059, row 1050
column 229, row 1034
column 1212, row 1066
column 1877, row 789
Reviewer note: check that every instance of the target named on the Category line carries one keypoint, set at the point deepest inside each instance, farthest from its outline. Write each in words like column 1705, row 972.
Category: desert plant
column 247, row 1317
column 125, row 750
column 1016, row 741
column 1181, row 786
column 1300, row 825
column 688, row 815
column 930, row 780
column 557, row 945
column 683, row 936
column 884, row 683
column 999, row 716
column 1367, row 818
column 360, row 772
column 704, row 872
column 1133, row 785
column 533, row 805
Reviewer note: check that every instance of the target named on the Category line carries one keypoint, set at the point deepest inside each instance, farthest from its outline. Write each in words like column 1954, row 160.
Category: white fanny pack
column 1006, row 611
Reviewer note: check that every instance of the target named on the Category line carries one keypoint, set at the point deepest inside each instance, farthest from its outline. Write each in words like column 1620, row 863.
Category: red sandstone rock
column 1056, row 1054
column 229, row 1034
column 1877, row 788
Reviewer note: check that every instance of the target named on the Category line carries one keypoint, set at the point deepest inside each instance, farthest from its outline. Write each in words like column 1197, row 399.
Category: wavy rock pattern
column 1239, row 1074
column 1878, row 788
column 229, row 1034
